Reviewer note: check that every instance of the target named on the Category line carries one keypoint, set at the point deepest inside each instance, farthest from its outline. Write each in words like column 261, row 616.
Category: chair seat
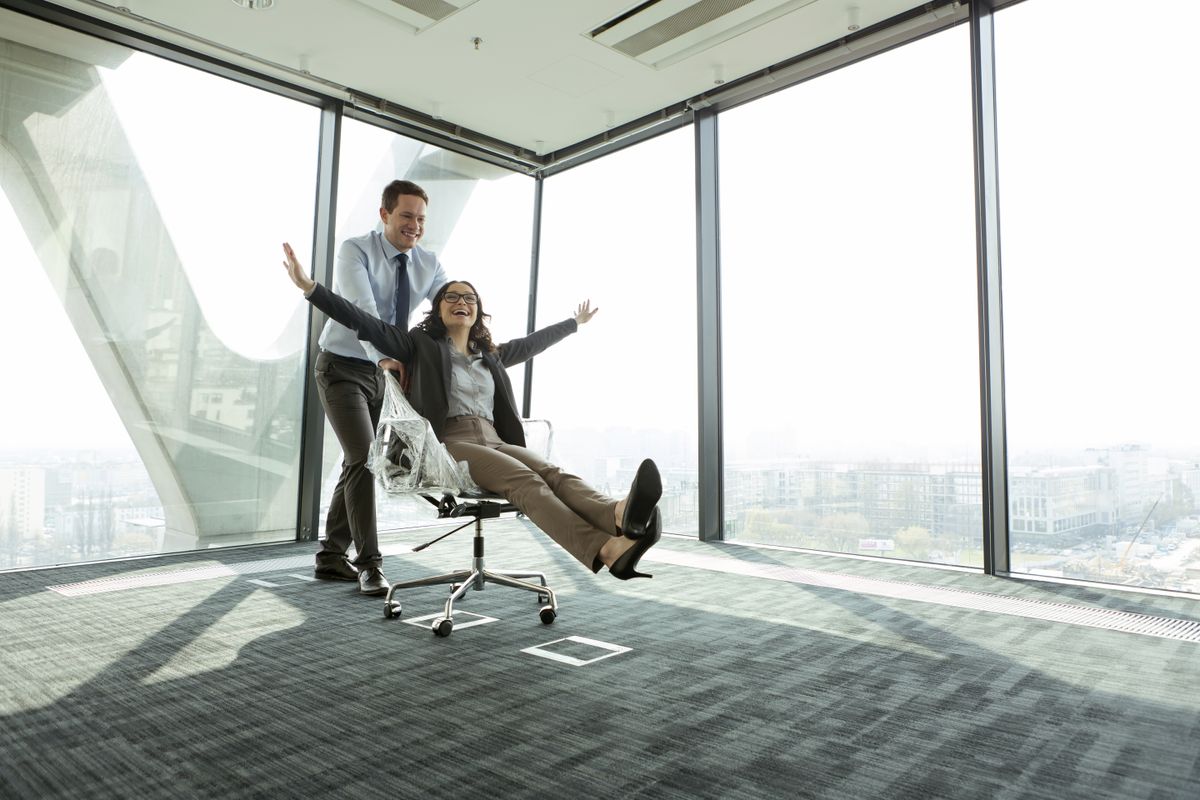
column 481, row 495
column 480, row 504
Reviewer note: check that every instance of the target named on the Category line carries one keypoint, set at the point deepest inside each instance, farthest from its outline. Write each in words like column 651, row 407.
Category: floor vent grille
column 1066, row 613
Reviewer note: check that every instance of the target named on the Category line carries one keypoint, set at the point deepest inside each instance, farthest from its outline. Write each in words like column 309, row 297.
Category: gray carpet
column 733, row 687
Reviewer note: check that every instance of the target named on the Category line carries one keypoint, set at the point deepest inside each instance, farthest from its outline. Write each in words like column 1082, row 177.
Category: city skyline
column 91, row 505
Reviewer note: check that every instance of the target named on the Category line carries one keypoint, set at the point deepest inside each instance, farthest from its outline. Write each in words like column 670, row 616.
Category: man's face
column 405, row 223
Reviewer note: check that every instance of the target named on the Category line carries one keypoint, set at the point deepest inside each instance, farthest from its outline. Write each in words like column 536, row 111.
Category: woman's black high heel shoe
column 625, row 567
column 644, row 494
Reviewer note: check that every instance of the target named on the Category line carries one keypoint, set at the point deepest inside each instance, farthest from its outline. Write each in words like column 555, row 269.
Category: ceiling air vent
column 418, row 14
column 659, row 33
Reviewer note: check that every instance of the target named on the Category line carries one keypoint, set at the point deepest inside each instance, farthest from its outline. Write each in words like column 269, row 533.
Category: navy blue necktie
column 402, row 290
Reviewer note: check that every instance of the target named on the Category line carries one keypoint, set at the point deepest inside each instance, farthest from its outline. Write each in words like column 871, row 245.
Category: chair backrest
column 539, row 436
column 406, row 456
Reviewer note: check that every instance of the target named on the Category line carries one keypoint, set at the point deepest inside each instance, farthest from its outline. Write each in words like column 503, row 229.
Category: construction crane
column 1128, row 547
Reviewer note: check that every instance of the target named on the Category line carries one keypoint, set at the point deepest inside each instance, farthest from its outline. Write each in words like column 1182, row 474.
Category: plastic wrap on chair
column 539, row 436
column 406, row 456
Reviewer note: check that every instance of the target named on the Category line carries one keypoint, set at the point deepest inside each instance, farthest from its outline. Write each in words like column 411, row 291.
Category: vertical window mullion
column 711, row 500
column 991, row 343
column 313, row 426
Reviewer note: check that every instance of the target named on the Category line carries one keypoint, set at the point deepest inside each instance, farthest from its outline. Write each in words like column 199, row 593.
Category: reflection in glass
column 159, row 396
column 621, row 231
column 1099, row 165
column 850, row 355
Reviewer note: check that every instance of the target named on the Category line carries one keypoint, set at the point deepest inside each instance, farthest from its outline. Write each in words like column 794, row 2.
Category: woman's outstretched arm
column 296, row 271
column 519, row 350
column 390, row 339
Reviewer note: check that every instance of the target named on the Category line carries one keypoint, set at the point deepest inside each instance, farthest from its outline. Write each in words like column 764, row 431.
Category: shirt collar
column 390, row 249
column 472, row 346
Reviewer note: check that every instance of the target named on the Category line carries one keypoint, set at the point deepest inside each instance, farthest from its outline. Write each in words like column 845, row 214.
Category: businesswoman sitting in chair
column 459, row 384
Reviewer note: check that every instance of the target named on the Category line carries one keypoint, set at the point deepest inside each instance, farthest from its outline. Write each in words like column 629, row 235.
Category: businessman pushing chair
column 486, row 432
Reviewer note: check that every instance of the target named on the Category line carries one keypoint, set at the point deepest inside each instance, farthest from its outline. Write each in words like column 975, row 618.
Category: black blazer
column 429, row 362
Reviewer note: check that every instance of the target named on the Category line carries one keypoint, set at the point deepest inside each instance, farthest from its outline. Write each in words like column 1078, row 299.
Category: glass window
column 620, row 231
column 479, row 223
column 1099, row 165
column 851, row 368
column 154, row 399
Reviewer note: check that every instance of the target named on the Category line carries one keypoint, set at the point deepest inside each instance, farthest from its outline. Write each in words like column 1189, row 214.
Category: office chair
column 477, row 506
column 406, row 457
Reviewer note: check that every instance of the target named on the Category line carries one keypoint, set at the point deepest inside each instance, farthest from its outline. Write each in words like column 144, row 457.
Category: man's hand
column 398, row 368
column 585, row 312
column 295, row 271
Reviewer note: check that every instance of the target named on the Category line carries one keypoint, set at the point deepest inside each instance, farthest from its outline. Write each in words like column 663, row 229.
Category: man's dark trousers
column 351, row 391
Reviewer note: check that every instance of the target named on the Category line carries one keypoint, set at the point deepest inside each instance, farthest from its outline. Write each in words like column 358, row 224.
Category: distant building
column 1139, row 479
column 945, row 499
column 1049, row 504
column 1061, row 502
column 22, row 502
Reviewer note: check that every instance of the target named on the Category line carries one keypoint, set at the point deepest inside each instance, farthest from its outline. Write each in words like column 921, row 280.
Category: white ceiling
column 536, row 80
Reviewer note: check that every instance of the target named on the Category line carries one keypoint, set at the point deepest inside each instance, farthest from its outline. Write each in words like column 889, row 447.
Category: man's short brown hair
column 392, row 192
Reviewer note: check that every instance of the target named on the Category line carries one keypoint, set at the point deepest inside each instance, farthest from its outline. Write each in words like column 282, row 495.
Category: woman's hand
column 585, row 312
column 295, row 271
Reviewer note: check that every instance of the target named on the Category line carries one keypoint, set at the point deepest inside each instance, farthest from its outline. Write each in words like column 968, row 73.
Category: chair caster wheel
column 454, row 587
column 547, row 614
column 391, row 610
column 442, row 627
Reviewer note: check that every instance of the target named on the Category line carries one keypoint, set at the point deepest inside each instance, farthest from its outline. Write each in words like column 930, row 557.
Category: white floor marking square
column 612, row 650
column 427, row 620
column 290, row 579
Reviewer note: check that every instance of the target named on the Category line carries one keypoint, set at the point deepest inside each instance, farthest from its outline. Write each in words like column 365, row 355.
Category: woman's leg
column 573, row 491
column 504, row 475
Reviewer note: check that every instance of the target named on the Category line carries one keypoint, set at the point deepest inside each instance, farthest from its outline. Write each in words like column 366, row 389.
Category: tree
column 914, row 542
column 761, row 525
column 83, row 531
column 841, row 532
column 1179, row 504
column 106, row 528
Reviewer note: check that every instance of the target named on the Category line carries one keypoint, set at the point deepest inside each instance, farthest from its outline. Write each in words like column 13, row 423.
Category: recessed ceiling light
column 254, row 5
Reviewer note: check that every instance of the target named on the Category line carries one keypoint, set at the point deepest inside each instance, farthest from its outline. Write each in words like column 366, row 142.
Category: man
column 387, row 275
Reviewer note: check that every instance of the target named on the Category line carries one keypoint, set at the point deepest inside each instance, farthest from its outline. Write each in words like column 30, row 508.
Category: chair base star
column 478, row 508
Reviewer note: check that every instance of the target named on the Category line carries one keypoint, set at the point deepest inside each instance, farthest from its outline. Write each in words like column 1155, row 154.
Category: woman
column 458, row 382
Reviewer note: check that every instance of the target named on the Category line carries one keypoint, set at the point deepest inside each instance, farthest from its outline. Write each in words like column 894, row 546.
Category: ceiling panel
column 529, row 73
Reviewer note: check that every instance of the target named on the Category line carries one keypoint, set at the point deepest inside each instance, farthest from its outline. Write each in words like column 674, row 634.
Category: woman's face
column 455, row 311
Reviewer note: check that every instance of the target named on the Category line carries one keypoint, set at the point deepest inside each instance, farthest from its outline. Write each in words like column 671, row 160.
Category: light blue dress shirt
column 365, row 274
column 472, row 387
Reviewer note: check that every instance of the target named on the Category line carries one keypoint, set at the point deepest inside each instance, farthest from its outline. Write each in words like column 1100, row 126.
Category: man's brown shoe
column 372, row 583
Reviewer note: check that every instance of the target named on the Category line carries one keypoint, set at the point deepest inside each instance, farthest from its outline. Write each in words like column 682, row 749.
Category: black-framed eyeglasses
column 454, row 297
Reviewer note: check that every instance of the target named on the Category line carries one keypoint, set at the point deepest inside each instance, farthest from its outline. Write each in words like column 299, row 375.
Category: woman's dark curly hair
column 480, row 336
